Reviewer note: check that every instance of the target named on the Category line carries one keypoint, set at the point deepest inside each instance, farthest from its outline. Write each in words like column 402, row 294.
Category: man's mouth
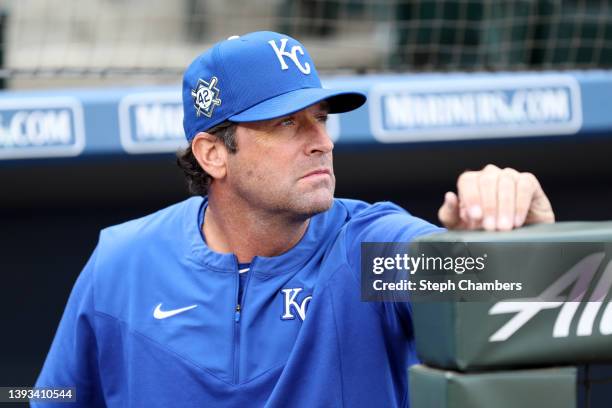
column 321, row 172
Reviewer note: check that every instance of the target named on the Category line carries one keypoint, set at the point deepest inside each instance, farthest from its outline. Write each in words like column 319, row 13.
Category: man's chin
column 322, row 207
column 318, row 203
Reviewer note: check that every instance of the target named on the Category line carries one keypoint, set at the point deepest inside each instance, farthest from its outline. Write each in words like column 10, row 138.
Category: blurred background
column 90, row 116
column 53, row 43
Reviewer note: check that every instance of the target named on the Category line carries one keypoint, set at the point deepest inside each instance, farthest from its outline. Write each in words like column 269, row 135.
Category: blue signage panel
column 476, row 107
column 410, row 108
column 151, row 122
column 41, row 127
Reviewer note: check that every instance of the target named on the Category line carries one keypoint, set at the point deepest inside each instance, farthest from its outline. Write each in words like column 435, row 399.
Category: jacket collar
column 321, row 227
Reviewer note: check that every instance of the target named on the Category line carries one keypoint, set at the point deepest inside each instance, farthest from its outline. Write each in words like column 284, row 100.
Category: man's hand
column 495, row 199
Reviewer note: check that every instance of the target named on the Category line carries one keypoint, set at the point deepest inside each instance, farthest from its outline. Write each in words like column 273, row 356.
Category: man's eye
column 322, row 118
column 286, row 122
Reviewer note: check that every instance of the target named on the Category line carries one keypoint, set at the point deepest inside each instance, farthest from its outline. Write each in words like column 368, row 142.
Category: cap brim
column 291, row 102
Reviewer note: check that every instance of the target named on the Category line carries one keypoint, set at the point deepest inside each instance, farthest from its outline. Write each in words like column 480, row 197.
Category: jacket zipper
column 236, row 341
column 237, row 315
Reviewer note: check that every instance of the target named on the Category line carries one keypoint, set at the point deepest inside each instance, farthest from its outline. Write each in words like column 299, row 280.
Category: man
column 205, row 303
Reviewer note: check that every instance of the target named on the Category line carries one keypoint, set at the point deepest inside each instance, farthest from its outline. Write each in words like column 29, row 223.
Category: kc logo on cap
column 281, row 54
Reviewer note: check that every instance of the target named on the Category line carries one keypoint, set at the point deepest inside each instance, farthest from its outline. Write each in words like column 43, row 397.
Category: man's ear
column 211, row 154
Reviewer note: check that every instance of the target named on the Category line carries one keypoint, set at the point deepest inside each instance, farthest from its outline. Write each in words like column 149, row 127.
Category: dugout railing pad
column 493, row 335
column 536, row 388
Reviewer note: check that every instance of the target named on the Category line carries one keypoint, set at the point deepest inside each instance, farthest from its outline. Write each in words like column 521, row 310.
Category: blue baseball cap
column 257, row 76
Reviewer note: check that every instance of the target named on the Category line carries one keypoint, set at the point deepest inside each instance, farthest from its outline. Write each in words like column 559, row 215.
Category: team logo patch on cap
column 206, row 97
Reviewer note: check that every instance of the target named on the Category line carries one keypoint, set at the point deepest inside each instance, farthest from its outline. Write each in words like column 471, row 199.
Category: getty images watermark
column 469, row 271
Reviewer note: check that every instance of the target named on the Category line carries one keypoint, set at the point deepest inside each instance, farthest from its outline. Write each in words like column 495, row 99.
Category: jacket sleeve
column 385, row 222
column 72, row 360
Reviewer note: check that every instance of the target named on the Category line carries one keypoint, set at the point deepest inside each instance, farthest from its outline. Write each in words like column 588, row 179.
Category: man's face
column 285, row 164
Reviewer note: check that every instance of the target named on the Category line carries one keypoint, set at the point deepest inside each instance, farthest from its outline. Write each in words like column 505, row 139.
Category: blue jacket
column 302, row 337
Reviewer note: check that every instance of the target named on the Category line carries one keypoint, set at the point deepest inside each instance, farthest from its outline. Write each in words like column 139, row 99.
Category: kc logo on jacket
column 281, row 54
column 292, row 304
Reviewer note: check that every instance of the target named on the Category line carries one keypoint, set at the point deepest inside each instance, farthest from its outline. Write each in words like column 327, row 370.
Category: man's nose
column 319, row 140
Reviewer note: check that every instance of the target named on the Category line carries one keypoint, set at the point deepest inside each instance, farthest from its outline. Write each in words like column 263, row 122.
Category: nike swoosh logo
column 163, row 314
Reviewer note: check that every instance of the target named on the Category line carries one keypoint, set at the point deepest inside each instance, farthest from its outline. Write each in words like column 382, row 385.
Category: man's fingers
column 525, row 189
column 449, row 213
column 496, row 199
column 469, row 194
column 506, row 196
column 463, row 215
column 540, row 210
column 487, row 183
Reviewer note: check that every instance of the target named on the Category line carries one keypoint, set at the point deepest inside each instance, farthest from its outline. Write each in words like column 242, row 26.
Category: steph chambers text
column 425, row 285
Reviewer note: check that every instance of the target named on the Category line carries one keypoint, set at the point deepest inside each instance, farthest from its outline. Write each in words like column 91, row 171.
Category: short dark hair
column 198, row 181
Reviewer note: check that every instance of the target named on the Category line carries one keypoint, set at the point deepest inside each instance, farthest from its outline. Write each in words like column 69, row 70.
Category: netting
column 80, row 38
column 504, row 34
